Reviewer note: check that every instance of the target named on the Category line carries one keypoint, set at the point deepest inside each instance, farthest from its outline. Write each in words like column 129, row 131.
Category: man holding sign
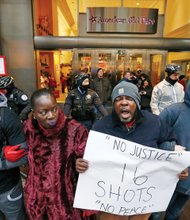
column 128, row 122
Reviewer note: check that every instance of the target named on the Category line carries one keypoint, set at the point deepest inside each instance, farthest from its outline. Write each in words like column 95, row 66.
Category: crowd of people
column 37, row 132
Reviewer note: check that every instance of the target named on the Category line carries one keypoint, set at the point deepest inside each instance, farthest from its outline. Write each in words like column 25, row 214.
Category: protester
column 44, row 80
column 13, row 154
column 177, row 116
column 17, row 100
column 141, row 78
column 63, row 81
column 183, row 81
column 168, row 91
column 145, row 92
column 82, row 101
column 52, row 82
column 102, row 86
column 54, row 143
column 130, row 77
column 127, row 121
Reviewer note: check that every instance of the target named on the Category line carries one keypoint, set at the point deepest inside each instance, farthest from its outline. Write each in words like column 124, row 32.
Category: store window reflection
column 65, row 73
column 135, row 62
column 156, row 65
column 54, row 71
column 60, row 18
column 120, row 63
column 55, row 18
column 46, row 69
column 84, row 62
column 104, row 61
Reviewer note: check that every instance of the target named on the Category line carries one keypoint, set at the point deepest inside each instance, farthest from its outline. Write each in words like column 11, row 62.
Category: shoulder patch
column 88, row 96
column 24, row 97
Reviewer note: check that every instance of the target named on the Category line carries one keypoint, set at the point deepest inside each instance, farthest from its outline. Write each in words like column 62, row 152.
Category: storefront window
column 104, row 61
column 60, row 18
column 156, row 65
column 55, row 18
column 120, row 61
column 84, row 62
column 135, row 62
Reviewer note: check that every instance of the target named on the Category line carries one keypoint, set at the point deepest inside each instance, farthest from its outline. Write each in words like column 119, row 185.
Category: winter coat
column 52, row 178
column 165, row 94
column 10, row 134
column 177, row 116
column 103, row 88
column 148, row 130
column 81, row 106
column 19, row 102
column 145, row 98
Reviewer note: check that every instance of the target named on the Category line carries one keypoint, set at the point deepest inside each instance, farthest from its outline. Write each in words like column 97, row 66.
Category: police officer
column 17, row 100
column 82, row 101
column 13, row 151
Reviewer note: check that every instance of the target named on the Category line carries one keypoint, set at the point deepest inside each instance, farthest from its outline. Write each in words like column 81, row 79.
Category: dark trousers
column 12, row 204
column 175, row 207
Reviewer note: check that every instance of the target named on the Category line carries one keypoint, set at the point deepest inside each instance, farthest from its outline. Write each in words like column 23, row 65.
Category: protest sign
column 125, row 178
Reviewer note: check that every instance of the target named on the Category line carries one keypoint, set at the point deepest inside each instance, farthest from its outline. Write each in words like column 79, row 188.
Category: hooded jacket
column 177, row 116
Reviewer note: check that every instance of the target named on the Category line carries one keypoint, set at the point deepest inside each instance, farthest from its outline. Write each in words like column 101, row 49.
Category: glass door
column 156, row 67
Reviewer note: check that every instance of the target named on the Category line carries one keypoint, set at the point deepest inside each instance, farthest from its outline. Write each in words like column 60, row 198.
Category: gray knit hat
column 126, row 89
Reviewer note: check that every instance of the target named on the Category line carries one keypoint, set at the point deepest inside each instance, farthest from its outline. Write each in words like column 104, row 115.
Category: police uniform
column 18, row 102
column 11, row 195
column 81, row 106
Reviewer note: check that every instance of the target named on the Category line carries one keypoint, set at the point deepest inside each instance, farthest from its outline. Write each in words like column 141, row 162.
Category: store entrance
column 56, row 69
column 115, row 61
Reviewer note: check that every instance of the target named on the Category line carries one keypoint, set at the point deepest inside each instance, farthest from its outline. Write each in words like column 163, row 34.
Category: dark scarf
column 83, row 89
column 171, row 81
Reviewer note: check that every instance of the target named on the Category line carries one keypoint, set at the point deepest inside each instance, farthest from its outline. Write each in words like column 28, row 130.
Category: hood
column 3, row 100
column 187, row 94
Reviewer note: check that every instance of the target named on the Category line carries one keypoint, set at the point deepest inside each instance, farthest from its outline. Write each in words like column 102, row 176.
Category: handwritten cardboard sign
column 125, row 178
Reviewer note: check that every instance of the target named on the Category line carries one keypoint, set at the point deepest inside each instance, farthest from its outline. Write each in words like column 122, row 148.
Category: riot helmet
column 172, row 71
column 80, row 78
column 172, row 68
column 6, row 81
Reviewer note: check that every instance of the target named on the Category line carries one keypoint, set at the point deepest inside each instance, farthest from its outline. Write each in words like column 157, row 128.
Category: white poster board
column 125, row 178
